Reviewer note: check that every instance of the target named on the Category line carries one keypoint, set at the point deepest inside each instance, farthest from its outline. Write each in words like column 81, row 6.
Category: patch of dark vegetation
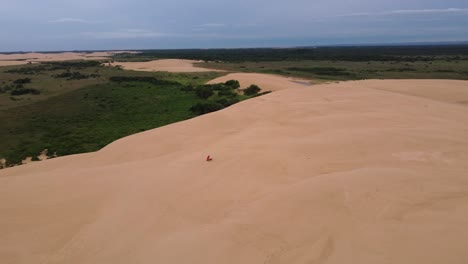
column 22, row 81
column 234, row 84
column 444, row 70
column 226, row 102
column 54, row 66
column 29, row 70
column 75, row 75
column 81, row 64
column 252, row 90
column 145, row 79
column 204, row 92
column 355, row 53
column 330, row 71
column 227, row 93
column 206, row 107
column 17, row 88
column 401, row 70
column 23, row 91
column 221, row 95
column 6, row 88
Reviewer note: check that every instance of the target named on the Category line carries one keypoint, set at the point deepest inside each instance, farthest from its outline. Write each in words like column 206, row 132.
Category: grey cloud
column 408, row 12
column 123, row 34
column 72, row 20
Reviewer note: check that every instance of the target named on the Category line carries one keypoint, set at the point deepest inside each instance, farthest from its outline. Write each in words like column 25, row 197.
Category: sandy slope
column 338, row 173
column 12, row 63
column 24, row 58
column 169, row 65
column 267, row 82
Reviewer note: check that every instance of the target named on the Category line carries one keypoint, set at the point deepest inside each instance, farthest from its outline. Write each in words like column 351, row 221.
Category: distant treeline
column 54, row 66
column 361, row 53
column 152, row 80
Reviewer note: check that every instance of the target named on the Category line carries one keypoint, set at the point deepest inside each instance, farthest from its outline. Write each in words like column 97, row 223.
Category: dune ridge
column 169, row 65
column 25, row 58
column 334, row 173
column 267, row 82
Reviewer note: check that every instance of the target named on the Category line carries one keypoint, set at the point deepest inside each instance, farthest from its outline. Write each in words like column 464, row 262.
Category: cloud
column 123, row 34
column 430, row 11
column 72, row 20
column 409, row 12
column 209, row 26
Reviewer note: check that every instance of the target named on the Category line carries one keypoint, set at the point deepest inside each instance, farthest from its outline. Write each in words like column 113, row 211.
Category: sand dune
column 12, row 63
column 267, row 82
column 169, row 65
column 24, row 58
column 449, row 91
column 336, row 173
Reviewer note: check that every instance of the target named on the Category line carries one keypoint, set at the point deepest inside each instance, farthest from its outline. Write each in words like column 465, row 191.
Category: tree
column 252, row 90
column 204, row 92
column 234, row 84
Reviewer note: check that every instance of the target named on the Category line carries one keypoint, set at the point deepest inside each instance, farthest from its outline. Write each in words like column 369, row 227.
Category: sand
column 24, row 58
column 168, row 65
column 12, row 63
column 336, row 173
column 449, row 91
column 267, row 82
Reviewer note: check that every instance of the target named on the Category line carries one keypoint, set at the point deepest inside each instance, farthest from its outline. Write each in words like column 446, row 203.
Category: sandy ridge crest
column 169, row 65
column 24, row 58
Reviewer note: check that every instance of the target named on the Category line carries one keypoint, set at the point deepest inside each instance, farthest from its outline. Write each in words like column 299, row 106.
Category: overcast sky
column 28, row 25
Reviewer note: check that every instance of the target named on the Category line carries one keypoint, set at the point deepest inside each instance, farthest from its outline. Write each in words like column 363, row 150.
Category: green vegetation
column 251, row 90
column 234, row 84
column 22, row 81
column 330, row 71
column 44, row 77
column 22, row 91
column 75, row 75
column 219, row 96
column 362, row 54
column 330, row 63
column 352, row 70
column 98, row 111
column 16, row 88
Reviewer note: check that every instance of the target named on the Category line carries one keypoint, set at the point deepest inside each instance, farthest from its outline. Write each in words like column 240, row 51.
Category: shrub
column 227, row 102
column 330, row 71
column 187, row 88
column 73, row 64
column 5, row 89
column 204, row 92
column 228, row 93
column 234, row 84
column 252, row 90
column 23, row 91
column 22, row 81
column 75, row 75
column 146, row 79
column 207, row 107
